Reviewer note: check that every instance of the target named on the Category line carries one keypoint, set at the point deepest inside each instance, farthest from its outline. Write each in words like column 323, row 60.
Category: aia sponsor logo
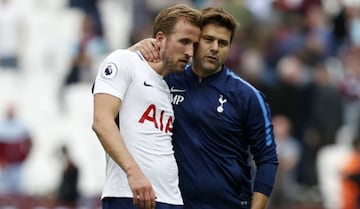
column 160, row 122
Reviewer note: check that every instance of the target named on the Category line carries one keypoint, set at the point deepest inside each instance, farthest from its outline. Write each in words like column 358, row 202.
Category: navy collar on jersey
column 189, row 73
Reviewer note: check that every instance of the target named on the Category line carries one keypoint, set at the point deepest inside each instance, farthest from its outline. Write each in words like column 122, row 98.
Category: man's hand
column 143, row 193
column 148, row 49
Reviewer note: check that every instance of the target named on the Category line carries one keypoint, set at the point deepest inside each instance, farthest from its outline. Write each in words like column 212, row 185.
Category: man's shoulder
column 122, row 53
column 122, row 56
column 236, row 80
column 239, row 86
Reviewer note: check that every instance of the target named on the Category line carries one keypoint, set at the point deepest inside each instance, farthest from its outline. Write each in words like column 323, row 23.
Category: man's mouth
column 185, row 61
column 211, row 58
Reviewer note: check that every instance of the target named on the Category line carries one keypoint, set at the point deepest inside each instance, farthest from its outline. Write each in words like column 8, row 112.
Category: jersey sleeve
column 262, row 143
column 115, row 74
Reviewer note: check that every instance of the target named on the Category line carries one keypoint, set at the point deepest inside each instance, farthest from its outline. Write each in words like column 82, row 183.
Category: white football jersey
column 145, row 120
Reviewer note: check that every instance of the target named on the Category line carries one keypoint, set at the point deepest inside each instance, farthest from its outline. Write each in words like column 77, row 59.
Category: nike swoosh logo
column 176, row 90
column 146, row 84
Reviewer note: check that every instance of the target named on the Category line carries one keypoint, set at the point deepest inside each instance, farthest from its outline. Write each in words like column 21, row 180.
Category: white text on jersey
column 176, row 99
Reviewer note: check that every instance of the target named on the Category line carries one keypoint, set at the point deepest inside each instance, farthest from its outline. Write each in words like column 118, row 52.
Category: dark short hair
column 220, row 17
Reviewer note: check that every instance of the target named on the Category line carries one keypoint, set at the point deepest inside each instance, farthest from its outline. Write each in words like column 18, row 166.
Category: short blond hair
column 168, row 17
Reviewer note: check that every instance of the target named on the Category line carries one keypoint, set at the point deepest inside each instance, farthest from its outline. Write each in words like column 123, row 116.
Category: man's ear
column 160, row 38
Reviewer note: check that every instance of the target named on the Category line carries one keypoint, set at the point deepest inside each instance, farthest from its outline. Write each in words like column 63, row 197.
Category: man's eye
column 223, row 43
column 185, row 42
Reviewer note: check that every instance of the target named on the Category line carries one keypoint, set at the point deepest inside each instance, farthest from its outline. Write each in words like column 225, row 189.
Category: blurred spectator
column 89, row 49
column 288, row 5
column 203, row 3
column 298, row 6
column 91, row 9
column 15, row 145
column 319, row 38
column 289, row 152
column 11, row 26
column 352, row 22
column 339, row 28
column 68, row 193
column 351, row 178
column 350, row 88
column 289, row 95
column 261, row 9
column 141, row 22
column 241, row 12
column 325, row 119
column 288, row 38
column 144, row 11
column 88, row 52
column 330, row 162
column 253, row 69
column 245, row 37
column 80, row 68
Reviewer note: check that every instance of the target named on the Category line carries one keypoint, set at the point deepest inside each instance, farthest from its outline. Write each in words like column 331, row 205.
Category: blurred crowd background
column 304, row 55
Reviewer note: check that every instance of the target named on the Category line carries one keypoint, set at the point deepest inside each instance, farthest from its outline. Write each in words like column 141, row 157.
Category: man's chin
column 210, row 65
column 182, row 65
column 178, row 70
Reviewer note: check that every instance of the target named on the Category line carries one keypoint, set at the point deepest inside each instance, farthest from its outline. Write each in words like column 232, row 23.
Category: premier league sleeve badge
column 109, row 71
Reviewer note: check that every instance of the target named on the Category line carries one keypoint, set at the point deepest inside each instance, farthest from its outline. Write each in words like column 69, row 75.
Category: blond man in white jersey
column 141, row 170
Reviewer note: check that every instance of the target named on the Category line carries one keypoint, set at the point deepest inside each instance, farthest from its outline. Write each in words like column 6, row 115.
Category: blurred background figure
column 144, row 11
column 288, row 96
column 87, row 52
column 289, row 151
column 329, row 165
column 324, row 120
column 350, row 87
column 91, row 9
column 325, row 117
column 15, row 146
column 68, row 193
column 351, row 177
column 11, row 29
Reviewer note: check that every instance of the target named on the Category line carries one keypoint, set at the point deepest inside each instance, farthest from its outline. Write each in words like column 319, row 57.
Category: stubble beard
column 208, row 67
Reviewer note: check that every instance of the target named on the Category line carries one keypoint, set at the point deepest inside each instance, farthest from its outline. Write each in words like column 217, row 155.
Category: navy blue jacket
column 222, row 125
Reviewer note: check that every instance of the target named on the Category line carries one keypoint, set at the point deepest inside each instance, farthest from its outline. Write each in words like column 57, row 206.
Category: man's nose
column 214, row 46
column 190, row 51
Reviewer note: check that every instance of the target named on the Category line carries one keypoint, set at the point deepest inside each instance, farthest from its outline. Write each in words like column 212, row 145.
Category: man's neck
column 158, row 67
column 202, row 73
